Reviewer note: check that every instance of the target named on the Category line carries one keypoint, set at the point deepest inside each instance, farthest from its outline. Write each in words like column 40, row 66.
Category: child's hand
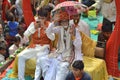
column 53, row 50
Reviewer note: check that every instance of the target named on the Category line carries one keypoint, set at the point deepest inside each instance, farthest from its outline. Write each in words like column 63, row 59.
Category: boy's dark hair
column 42, row 12
column 78, row 64
column 107, row 26
column 16, row 39
column 48, row 7
column 10, row 16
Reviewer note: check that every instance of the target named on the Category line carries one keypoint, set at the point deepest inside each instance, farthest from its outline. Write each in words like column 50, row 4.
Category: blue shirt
column 85, row 76
column 13, row 28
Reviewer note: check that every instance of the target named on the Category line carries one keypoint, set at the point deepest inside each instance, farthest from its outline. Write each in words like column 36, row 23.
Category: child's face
column 64, row 23
column 17, row 43
column 107, row 34
column 76, row 72
column 76, row 17
column 42, row 20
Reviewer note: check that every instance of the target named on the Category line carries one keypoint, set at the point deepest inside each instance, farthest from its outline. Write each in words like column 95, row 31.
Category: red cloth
column 27, row 12
column 5, row 4
column 99, row 26
column 2, row 75
column 113, row 45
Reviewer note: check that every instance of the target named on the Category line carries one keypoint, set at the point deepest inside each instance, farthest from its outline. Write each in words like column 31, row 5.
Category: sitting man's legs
column 62, row 70
column 47, row 66
column 23, row 56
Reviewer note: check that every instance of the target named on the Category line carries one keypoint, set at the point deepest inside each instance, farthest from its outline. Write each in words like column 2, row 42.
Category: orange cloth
column 113, row 46
column 61, row 15
column 3, row 74
column 43, row 39
column 77, row 78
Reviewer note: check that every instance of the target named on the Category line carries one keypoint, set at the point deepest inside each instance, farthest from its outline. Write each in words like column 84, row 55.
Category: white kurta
column 53, row 68
column 83, row 27
column 12, row 49
column 28, row 53
column 77, row 42
column 108, row 10
column 23, row 40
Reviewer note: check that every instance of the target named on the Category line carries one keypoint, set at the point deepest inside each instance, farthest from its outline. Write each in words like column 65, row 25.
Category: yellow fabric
column 88, row 45
column 88, row 49
column 96, row 68
column 108, row 1
column 43, row 3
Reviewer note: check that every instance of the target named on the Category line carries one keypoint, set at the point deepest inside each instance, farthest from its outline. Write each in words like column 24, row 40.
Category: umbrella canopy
column 70, row 7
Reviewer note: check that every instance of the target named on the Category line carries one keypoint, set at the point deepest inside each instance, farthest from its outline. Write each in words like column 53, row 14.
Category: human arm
column 30, row 30
column 52, row 29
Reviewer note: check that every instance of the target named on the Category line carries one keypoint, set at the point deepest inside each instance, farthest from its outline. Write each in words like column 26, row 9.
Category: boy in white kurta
column 40, row 42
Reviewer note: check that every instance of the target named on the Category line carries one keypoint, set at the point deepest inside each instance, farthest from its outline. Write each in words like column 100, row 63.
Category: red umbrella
column 65, row 0
column 71, row 7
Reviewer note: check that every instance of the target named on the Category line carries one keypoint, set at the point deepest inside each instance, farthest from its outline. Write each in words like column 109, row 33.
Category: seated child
column 78, row 72
column 24, row 41
column 103, row 36
column 15, row 45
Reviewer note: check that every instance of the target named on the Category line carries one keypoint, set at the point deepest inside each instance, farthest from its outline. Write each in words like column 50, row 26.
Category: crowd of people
column 52, row 59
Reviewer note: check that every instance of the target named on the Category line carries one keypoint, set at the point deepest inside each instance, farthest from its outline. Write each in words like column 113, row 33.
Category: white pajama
column 47, row 67
column 52, row 69
column 62, row 70
column 27, row 54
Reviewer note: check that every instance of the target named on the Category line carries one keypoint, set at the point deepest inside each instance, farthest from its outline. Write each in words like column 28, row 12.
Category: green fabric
column 92, row 14
column 93, row 23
